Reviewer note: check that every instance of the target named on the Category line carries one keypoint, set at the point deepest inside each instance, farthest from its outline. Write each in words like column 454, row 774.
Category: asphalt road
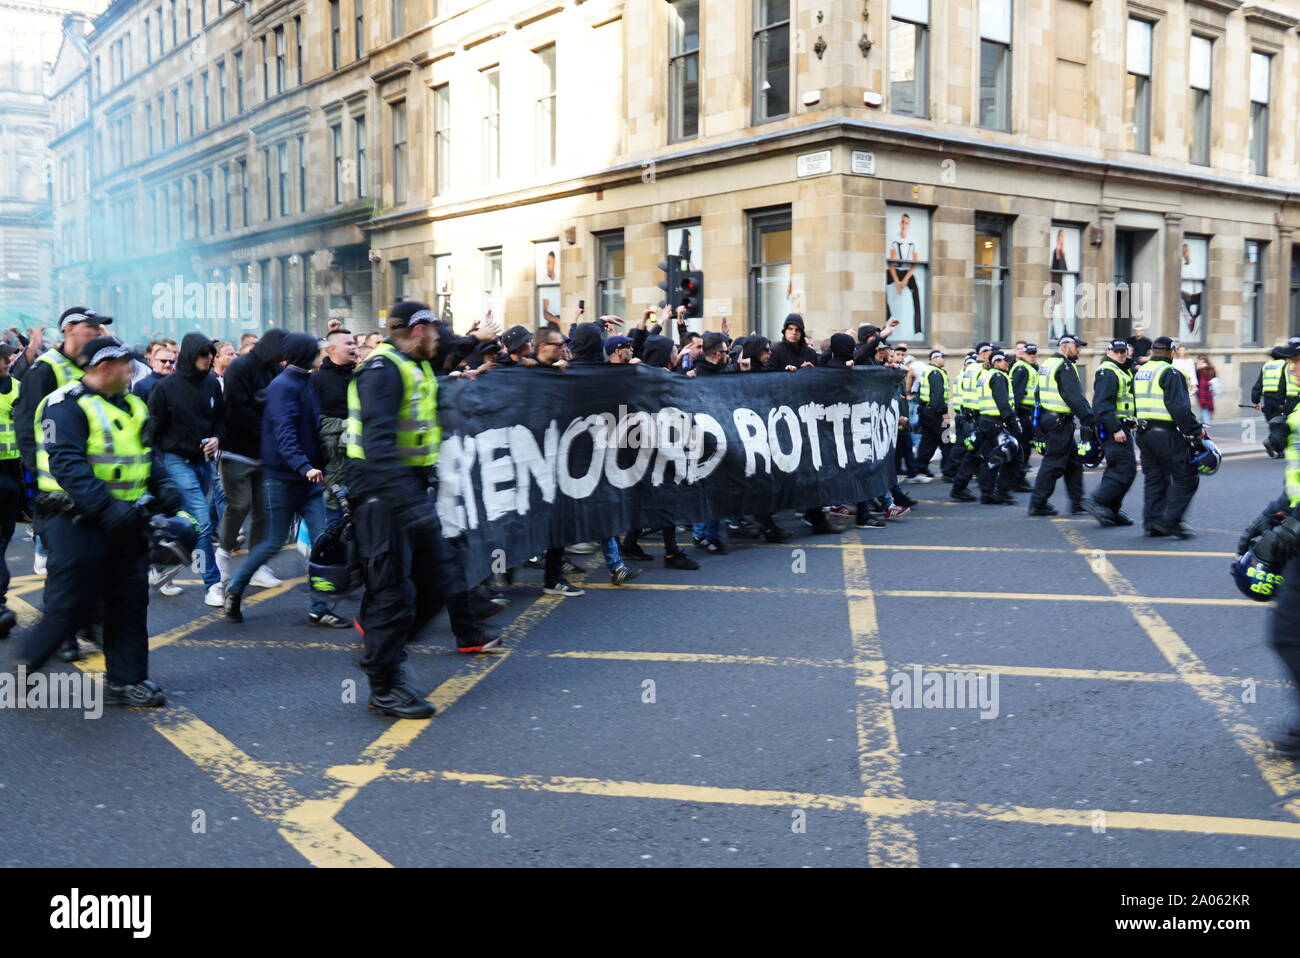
column 739, row 715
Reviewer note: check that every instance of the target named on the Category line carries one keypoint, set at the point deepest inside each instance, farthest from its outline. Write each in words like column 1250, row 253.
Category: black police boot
column 480, row 639
column 775, row 534
column 141, row 695
column 230, row 606
column 391, row 695
column 680, row 560
column 1179, row 531
column 8, row 619
column 988, row 499
column 1099, row 512
column 70, row 650
column 1287, row 743
column 632, row 550
column 1122, row 518
column 1022, row 486
column 1046, row 509
column 1078, row 509
column 961, row 495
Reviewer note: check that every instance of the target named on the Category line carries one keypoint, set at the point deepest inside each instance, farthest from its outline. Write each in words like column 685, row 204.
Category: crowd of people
column 270, row 438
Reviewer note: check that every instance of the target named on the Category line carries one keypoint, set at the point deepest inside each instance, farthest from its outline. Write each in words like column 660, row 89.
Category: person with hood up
column 293, row 464
column 755, row 357
column 839, row 353
column 792, row 351
column 240, row 464
column 186, row 425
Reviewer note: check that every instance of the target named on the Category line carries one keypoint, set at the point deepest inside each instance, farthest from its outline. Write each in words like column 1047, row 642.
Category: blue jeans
column 613, row 559
column 218, row 499
column 711, row 530
column 284, row 500
column 192, row 480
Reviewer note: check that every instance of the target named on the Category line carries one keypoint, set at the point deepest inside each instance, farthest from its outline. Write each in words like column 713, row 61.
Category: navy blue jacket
column 290, row 441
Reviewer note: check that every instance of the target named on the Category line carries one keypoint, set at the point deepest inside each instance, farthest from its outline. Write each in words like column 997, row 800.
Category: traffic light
column 669, row 284
column 690, row 284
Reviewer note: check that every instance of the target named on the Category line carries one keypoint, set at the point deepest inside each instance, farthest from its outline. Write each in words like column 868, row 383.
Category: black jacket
column 38, row 382
column 247, row 377
column 938, row 404
column 382, row 473
column 839, row 352
column 144, row 387
column 703, row 367
column 1023, row 383
column 1105, row 395
column 186, row 407
column 1071, row 390
column 68, row 433
column 1174, row 387
column 331, row 385
column 1000, row 387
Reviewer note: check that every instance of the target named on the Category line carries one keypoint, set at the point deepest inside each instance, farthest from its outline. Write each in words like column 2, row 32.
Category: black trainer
column 1077, row 509
column 329, row 620
column 1099, row 512
column 713, row 546
column 1153, row 533
column 391, row 695
column 1287, row 744
column 141, row 695
column 231, row 607
column 8, row 619
column 821, row 527
column 775, row 534
column 1022, row 487
column 680, row 560
column 70, row 650
column 962, row 495
column 869, row 522
column 904, row 500
column 479, row 640
column 1046, row 509
column 622, row 574
column 1122, row 518
column 634, row 551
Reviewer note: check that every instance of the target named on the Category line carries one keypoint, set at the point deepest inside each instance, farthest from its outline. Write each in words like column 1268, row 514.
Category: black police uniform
column 1169, row 480
column 931, row 416
column 1024, row 383
column 98, row 551
column 1121, row 457
column 1056, row 430
column 997, row 481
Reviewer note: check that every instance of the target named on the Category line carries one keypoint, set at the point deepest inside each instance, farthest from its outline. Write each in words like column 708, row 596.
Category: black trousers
column 1121, row 470
column 1169, row 480
column 410, row 574
column 931, row 441
column 965, row 462
column 11, row 498
column 1284, row 623
column 993, row 478
column 1060, row 458
column 669, row 534
column 88, row 567
column 1026, row 417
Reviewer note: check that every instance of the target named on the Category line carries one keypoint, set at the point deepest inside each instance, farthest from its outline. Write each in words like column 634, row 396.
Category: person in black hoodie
column 240, row 464
column 792, row 351
column 839, row 354
column 330, row 383
column 187, row 424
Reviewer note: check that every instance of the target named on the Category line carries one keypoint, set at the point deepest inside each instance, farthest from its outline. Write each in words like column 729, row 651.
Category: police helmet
column 1006, row 449
column 172, row 540
column 1090, row 453
column 1255, row 578
column 1205, row 456
column 329, row 566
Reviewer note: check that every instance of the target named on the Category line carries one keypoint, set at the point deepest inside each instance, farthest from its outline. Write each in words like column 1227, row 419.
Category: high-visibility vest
column 970, row 388
column 925, row 385
column 65, row 371
column 1148, row 392
column 1049, row 393
column 8, row 439
column 1031, row 380
column 1293, row 459
column 1272, row 374
column 988, row 404
column 418, row 432
column 115, row 445
column 1124, row 404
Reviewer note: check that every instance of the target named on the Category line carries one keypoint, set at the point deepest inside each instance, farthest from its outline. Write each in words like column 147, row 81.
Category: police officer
column 1061, row 402
column 997, row 413
column 1024, row 387
column 934, row 396
column 1168, row 477
column 1276, row 392
column 408, row 568
column 11, row 480
column 1112, row 402
column 93, row 470
column 966, row 411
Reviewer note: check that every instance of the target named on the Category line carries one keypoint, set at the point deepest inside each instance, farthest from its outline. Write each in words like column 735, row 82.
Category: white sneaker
column 216, row 595
column 264, row 578
column 38, row 564
column 168, row 588
column 582, row 548
column 156, row 575
column 223, row 564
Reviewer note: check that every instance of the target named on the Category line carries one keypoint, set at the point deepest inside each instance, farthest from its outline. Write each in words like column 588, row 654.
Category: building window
column 397, row 10
column 683, row 70
column 492, row 124
column 441, row 138
column 279, row 59
column 148, row 40
column 771, row 59
column 546, row 282
column 158, row 22
column 358, row 28
column 227, row 201
column 1295, row 290
column 266, row 166
column 359, row 131
column 1064, row 290
column 909, row 57
column 1191, row 290
column 297, row 49
column 212, row 201
column 282, row 171
column 189, row 105
column 1252, row 294
column 770, row 247
column 176, row 23
column 609, row 274
column 189, row 19
column 546, row 119
column 995, row 64
column 492, row 277
column 399, row 151
column 907, row 268
column 203, row 89
column 266, row 68
column 992, row 277
column 176, row 116
column 162, row 122
column 1200, row 71
column 442, row 286
column 148, row 125
column 302, row 173
column 222, row 91
column 335, row 35
column 241, row 184
column 1137, row 86
column 1260, row 64
column 336, row 148
column 399, row 270
column 194, row 206
column 239, row 82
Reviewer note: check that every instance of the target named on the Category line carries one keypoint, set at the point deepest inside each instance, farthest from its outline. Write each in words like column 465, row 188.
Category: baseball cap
column 409, row 313
column 1031, row 347
column 1065, row 340
column 101, row 349
column 616, row 342
column 1118, row 345
column 1162, row 342
column 82, row 314
column 515, row 337
column 7, row 351
column 936, row 353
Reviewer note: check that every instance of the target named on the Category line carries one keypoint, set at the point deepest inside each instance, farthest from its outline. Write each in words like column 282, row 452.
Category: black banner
column 535, row 458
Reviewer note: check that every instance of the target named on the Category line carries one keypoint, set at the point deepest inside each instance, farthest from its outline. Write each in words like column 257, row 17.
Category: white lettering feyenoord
column 511, row 459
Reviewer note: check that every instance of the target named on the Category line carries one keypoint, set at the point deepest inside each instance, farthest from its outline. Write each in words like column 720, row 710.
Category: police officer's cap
column 1163, row 342
column 936, row 353
column 1118, row 345
column 82, row 314
column 999, row 356
column 981, row 347
column 409, row 313
column 1064, row 340
column 971, row 357
column 1031, row 348
column 1288, row 351
column 101, row 349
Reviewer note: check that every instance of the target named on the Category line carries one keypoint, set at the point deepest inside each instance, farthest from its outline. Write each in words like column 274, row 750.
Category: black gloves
column 1279, row 544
